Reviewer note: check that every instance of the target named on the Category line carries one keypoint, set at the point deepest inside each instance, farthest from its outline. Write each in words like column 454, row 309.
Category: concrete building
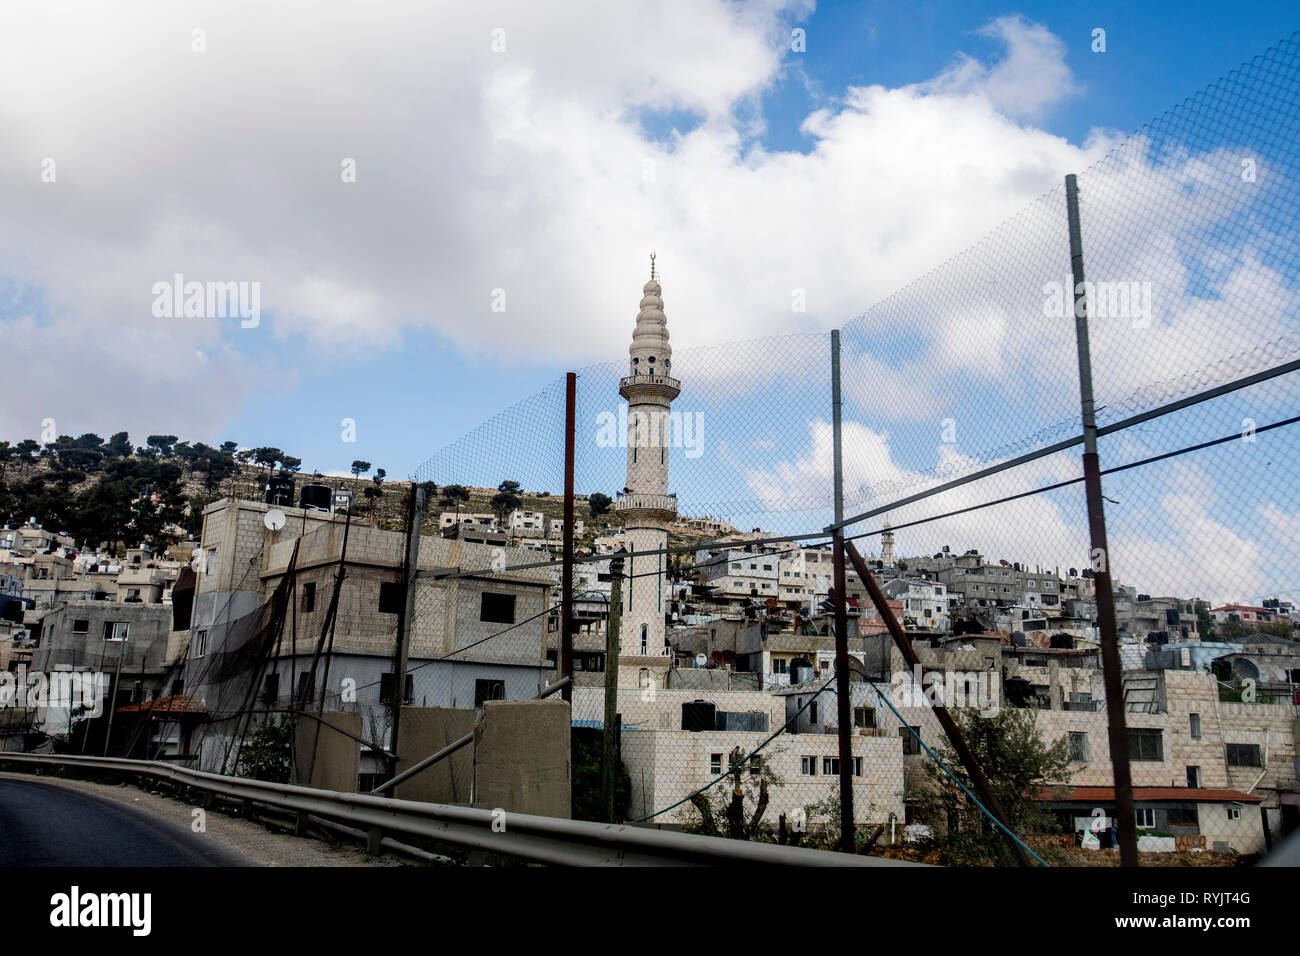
column 645, row 506
column 925, row 603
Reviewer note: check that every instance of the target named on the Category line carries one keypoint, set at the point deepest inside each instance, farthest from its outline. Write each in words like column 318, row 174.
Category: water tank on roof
column 316, row 496
column 279, row 491
column 801, row 669
column 699, row 715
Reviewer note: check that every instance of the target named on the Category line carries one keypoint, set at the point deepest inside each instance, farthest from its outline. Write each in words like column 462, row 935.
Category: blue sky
column 1156, row 57
column 537, row 159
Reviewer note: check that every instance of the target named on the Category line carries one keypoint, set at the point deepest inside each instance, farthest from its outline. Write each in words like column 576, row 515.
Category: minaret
column 887, row 547
column 646, row 506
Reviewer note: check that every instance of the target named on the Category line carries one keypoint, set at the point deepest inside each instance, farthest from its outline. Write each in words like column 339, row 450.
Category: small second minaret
column 645, row 506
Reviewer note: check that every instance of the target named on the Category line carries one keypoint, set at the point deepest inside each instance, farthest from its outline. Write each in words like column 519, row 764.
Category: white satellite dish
column 274, row 519
column 700, row 660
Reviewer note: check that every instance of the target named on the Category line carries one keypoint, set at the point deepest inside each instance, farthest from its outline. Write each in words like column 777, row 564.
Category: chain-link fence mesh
column 962, row 481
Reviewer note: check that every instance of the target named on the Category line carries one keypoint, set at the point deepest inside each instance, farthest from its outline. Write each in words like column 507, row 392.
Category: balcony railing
column 664, row 380
column 635, row 501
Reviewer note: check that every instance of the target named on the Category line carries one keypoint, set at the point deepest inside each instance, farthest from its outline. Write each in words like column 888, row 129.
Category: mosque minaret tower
column 645, row 505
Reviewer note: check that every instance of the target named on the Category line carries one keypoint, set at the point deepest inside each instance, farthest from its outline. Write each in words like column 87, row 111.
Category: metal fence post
column 843, row 705
column 608, row 776
column 566, row 570
column 1110, row 662
column 408, row 613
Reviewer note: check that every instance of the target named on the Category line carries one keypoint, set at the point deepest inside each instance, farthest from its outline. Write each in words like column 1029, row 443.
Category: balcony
column 649, row 386
column 630, row 503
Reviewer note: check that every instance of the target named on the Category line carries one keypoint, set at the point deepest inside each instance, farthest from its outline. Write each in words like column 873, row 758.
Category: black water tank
column 315, row 495
column 279, row 491
column 1061, row 640
column 699, row 715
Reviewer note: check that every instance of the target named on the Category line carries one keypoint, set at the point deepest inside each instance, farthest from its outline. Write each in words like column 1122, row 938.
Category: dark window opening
column 1145, row 744
column 1244, row 755
column 309, row 596
column 488, row 690
column 386, row 689
column 497, row 608
column 391, row 597
column 80, row 627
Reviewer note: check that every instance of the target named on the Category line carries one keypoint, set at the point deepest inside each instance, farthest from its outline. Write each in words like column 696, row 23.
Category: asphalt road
column 43, row 824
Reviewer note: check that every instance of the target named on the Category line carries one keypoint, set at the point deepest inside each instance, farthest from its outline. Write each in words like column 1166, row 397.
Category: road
column 43, row 824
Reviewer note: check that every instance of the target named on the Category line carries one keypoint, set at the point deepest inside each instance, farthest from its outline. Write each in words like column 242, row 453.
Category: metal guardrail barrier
column 525, row 836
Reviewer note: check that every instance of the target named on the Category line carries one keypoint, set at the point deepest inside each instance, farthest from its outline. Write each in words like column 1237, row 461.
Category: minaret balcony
column 639, row 504
column 641, row 388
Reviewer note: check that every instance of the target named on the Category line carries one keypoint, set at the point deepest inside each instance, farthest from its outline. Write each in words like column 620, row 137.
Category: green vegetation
column 266, row 751
column 1018, row 765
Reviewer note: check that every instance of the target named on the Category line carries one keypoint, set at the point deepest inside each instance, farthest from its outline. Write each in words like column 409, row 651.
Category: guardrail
column 525, row 836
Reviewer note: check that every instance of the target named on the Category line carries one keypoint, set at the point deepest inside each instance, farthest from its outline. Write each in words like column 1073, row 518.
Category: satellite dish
column 700, row 660
column 274, row 519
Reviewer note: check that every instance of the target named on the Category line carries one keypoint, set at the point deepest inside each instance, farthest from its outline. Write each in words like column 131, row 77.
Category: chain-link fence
column 706, row 499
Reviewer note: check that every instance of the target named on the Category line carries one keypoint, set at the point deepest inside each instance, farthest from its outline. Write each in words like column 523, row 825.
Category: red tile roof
column 1103, row 794
column 177, row 704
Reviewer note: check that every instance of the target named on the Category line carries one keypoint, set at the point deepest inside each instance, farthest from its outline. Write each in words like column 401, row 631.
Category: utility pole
column 843, row 706
column 608, row 776
column 1110, row 662
column 416, row 515
column 566, row 570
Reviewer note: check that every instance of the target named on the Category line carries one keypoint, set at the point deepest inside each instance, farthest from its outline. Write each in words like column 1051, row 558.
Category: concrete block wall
column 522, row 757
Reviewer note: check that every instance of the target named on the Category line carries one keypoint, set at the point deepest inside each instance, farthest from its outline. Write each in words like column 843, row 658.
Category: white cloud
column 524, row 170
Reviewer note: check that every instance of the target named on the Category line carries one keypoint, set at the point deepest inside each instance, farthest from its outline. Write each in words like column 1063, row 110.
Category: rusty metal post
column 1112, row 676
column 982, row 786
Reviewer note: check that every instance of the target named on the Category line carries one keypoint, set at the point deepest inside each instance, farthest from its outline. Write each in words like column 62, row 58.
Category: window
column 1243, row 755
column 309, row 596
column 756, row 765
column 864, row 716
column 1234, row 813
column 808, row 766
column 488, row 689
column 270, row 688
column 1146, row 818
column 1181, row 817
column 1079, row 747
column 200, row 643
column 812, row 712
column 715, row 764
column 391, row 597
column 831, row 766
column 1194, row 722
column 115, row 630
column 81, row 627
column 497, row 608
column 386, row 689
column 779, row 665
column 1145, row 744
column 1193, row 777
column 911, row 739
column 305, row 689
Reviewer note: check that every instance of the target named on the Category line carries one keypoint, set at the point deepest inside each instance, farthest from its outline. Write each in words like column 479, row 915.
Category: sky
column 445, row 207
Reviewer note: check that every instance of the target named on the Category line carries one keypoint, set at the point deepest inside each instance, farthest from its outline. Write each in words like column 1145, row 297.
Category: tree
column 359, row 468
column 506, row 499
column 161, row 444
column 454, row 495
column 265, row 753
column 1018, row 765
column 27, row 450
column 7, row 454
column 268, row 458
column 290, row 464
column 599, row 504
column 736, row 811
column 119, row 446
